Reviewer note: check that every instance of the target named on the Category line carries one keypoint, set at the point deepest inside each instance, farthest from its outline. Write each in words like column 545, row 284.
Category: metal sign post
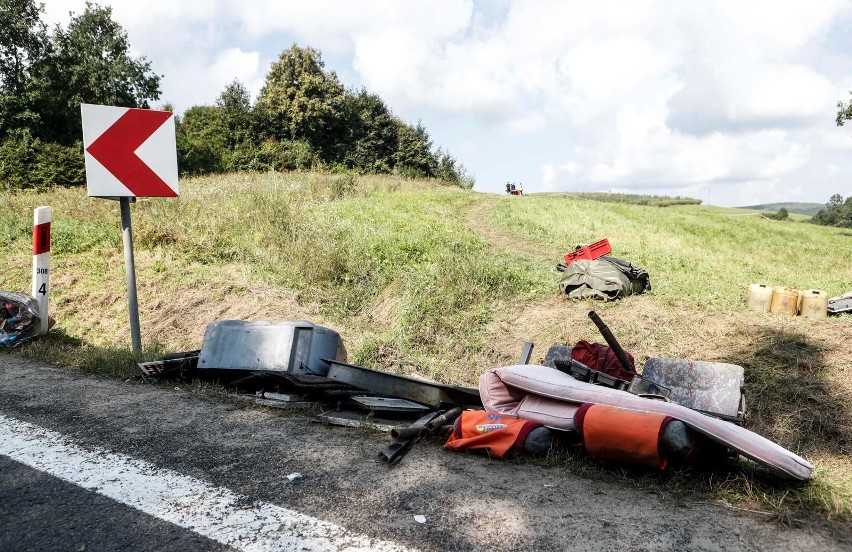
column 129, row 153
column 130, row 269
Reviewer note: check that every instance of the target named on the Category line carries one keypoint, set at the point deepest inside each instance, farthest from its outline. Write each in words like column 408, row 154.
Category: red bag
column 602, row 358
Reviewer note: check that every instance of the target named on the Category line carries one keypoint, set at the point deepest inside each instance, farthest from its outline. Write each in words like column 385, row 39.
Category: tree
column 451, row 171
column 372, row 133
column 414, row 151
column 44, row 77
column 90, row 63
column 301, row 101
column 234, row 105
column 23, row 49
column 837, row 212
column 844, row 112
column 201, row 140
column 834, row 202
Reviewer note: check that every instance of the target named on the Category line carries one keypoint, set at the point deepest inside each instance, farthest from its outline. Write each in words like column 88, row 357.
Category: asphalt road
column 469, row 502
column 42, row 512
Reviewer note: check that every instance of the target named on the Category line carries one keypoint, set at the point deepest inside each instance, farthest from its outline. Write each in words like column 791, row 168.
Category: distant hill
column 633, row 199
column 792, row 207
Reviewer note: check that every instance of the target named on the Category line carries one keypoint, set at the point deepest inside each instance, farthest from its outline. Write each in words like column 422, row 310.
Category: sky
column 729, row 101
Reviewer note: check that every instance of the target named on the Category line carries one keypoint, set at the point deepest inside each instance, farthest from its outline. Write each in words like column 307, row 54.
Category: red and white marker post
column 41, row 262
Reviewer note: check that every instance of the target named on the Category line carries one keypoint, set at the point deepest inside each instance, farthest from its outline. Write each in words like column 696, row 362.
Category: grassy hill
column 422, row 279
column 792, row 207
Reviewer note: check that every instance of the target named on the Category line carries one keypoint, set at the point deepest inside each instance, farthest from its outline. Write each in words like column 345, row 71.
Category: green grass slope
column 435, row 281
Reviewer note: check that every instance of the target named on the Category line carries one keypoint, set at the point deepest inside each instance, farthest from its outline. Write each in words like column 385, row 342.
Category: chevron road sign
column 129, row 152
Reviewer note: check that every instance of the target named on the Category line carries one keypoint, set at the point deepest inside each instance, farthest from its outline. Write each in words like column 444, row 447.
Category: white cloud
column 778, row 26
column 332, row 25
column 655, row 157
column 748, row 97
column 603, row 70
column 737, row 96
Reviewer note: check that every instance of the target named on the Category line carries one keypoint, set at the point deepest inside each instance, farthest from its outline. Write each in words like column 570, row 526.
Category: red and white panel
column 129, row 152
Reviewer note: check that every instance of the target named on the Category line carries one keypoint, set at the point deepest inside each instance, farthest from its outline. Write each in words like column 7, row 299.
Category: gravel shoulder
column 469, row 501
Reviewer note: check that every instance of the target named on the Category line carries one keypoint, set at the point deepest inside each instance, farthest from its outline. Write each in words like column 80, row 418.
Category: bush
column 272, row 155
column 196, row 156
column 58, row 165
column 28, row 163
column 782, row 214
column 674, row 201
column 17, row 155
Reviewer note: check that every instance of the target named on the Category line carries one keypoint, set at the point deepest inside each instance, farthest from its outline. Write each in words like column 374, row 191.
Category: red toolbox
column 590, row 252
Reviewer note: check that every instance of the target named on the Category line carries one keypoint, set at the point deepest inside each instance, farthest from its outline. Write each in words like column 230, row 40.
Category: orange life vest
column 495, row 433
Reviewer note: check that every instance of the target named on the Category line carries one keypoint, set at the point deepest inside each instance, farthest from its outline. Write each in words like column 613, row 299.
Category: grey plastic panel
column 388, row 384
column 260, row 345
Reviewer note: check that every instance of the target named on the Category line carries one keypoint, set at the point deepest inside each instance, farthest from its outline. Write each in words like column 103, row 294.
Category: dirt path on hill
column 516, row 324
column 479, row 220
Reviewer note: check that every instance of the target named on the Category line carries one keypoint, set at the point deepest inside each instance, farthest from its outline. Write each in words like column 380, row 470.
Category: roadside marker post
column 41, row 263
column 129, row 153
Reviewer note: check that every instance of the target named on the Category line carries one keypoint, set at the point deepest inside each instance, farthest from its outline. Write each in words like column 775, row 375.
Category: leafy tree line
column 44, row 77
column 836, row 213
column 636, row 199
column 303, row 118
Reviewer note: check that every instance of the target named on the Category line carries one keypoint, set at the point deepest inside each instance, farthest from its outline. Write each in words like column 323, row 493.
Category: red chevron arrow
column 115, row 149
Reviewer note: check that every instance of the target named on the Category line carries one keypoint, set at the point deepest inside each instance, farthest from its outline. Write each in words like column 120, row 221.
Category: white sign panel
column 129, row 152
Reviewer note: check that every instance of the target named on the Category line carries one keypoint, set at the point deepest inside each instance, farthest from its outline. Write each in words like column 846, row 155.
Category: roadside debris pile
column 589, row 273
column 677, row 410
column 295, row 363
column 19, row 318
column 590, row 394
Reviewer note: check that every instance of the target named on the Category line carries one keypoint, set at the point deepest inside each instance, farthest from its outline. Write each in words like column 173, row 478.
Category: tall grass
column 337, row 241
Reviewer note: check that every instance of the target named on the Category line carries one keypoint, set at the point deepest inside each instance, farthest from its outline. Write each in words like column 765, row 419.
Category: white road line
column 214, row 512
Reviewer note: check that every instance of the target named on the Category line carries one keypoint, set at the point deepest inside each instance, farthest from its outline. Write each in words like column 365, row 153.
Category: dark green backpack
column 605, row 278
